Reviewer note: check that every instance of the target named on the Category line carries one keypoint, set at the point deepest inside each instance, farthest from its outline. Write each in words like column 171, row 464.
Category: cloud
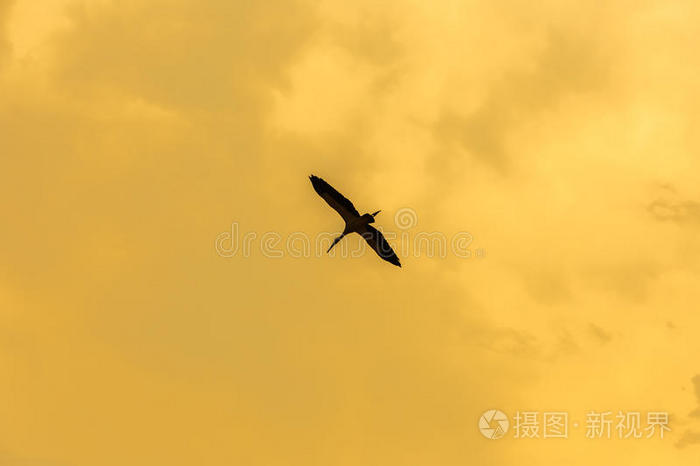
column 688, row 438
column 696, row 384
column 144, row 129
column 691, row 437
column 9, row 460
column 680, row 212
column 5, row 45
column 569, row 64
column 599, row 333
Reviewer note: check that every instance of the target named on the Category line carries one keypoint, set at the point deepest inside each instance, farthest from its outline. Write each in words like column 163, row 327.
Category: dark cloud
column 688, row 438
column 566, row 344
column 523, row 344
column 691, row 437
column 696, row 384
column 678, row 211
column 599, row 333
column 511, row 341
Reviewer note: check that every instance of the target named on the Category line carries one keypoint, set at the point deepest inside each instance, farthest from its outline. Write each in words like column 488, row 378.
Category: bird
column 354, row 222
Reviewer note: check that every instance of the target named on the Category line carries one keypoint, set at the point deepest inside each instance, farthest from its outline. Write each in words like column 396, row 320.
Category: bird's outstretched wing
column 377, row 242
column 334, row 199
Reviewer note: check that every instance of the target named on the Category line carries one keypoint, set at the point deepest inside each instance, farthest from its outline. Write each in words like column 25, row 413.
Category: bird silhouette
column 354, row 222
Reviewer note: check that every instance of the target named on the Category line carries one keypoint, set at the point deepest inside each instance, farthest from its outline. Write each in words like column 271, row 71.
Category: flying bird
column 354, row 222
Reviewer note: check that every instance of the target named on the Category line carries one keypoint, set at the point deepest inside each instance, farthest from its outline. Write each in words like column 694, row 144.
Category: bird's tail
column 335, row 241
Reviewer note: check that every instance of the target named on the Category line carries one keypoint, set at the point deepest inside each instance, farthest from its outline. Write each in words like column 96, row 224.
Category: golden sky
column 562, row 135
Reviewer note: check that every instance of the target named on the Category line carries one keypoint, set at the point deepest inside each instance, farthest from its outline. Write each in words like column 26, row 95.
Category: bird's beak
column 375, row 214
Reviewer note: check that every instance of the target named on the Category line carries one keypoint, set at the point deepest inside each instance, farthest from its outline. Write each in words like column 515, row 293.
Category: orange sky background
column 563, row 135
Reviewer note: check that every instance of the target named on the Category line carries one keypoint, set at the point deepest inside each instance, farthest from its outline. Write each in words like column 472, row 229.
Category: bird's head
column 369, row 218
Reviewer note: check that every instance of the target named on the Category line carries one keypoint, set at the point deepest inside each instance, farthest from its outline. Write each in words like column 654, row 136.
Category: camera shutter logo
column 493, row 424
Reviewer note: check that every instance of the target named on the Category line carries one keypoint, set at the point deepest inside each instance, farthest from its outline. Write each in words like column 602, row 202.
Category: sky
column 560, row 137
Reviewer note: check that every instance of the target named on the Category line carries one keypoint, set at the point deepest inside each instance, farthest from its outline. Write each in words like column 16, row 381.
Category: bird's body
column 359, row 224
column 354, row 222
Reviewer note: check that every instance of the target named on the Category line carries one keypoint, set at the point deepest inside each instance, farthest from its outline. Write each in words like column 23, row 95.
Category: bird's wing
column 377, row 241
column 334, row 199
